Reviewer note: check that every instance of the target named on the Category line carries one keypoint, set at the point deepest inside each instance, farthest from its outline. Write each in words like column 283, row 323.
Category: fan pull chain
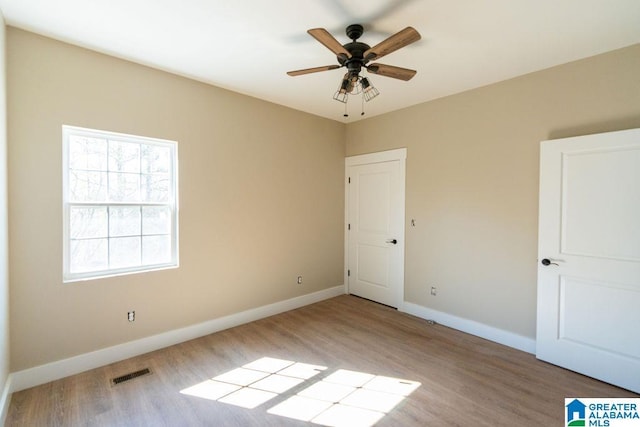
column 346, row 114
column 362, row 107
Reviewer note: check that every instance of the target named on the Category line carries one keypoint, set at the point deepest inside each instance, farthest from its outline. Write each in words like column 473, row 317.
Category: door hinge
column 348, row 226
column 349, row 180
column 348, row 273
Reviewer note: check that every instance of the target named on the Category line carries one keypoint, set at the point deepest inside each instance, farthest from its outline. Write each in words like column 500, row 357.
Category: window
column 120, row 204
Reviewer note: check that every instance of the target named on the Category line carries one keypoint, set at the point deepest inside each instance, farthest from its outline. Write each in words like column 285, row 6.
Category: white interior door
column 589, row 256
column 375, row 226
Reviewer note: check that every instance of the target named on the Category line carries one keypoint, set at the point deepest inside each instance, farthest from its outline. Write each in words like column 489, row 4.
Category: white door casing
column 374, row 219
column 588, row 316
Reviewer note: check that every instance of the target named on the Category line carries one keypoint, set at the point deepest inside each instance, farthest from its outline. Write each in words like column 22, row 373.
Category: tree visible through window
column 120, row 203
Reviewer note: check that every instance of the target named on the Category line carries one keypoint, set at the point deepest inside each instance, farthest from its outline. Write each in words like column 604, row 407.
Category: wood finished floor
column 465, row 380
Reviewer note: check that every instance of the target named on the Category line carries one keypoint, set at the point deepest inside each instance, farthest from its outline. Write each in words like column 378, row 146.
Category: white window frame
column 68, row 131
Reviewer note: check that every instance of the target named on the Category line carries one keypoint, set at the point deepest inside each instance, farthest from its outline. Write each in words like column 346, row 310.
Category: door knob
column 394, row 241
column 547, row 261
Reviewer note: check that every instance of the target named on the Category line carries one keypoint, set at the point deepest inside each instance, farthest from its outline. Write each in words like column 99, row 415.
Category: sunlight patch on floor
column 342, row 398
column 212, row 390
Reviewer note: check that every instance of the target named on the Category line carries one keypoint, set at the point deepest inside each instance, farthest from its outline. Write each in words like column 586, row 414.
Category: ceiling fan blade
column 391, row 71
column 324, row 37
column 393, row 43
column 313, row 70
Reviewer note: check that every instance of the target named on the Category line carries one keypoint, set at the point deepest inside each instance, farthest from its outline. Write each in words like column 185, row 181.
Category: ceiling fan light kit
column 355, row 84
column 355, row 56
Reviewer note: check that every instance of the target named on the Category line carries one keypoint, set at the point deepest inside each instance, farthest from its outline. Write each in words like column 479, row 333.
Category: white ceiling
column 248, row 45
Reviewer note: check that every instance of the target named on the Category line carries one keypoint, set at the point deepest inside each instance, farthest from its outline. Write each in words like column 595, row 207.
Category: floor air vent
column 130, row 376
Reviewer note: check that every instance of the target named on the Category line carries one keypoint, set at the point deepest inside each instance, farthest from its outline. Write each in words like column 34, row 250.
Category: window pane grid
column 139, row 246
column 126, row 180
column 121, row 213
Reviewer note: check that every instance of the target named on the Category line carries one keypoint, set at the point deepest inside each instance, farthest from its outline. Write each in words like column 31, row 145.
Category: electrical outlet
column 434, row 291
column 299, row 280
column 131, row 316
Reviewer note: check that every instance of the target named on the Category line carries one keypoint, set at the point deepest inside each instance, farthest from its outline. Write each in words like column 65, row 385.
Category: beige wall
column 4, row 241
column 261, row 200
column 472, row 179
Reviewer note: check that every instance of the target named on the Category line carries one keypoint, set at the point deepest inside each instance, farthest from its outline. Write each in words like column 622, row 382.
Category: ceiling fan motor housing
column 355, row 48
column 357, row 60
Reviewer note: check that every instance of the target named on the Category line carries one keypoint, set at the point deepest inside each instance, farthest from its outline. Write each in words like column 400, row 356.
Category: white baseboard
column 63, row 368
column 5, row 399
column 472, row 327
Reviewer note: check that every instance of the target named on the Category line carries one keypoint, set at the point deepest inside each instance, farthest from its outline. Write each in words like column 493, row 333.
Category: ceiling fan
column 356, row 55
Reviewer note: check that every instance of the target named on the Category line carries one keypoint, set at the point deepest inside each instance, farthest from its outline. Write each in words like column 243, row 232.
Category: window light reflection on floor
column 343, row 398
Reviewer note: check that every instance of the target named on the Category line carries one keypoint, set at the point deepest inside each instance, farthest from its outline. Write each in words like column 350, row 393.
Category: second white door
column 375, row 226
column 589, row 253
